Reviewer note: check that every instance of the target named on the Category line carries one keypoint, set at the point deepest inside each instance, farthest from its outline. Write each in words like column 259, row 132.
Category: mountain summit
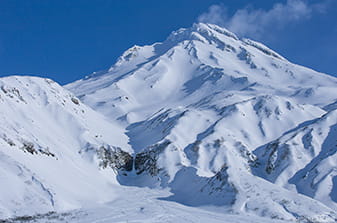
column 205, row 120
column 196, row 63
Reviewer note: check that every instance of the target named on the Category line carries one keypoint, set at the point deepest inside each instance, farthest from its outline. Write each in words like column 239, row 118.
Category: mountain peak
column 208, row 34
column 199, row 60
column 200, row 31
column 201, row 27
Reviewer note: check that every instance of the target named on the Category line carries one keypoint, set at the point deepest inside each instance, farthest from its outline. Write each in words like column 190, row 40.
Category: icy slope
column 198, row 107
column 49, row 141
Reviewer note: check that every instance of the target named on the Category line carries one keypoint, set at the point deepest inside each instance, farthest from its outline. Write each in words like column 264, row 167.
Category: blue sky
column 65, row 40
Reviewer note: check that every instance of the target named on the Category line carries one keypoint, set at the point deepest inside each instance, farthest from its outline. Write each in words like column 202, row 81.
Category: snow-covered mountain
column 204, row 119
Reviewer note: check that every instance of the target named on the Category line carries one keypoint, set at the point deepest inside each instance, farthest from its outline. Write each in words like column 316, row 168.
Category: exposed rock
column 115, row 158
column 8, row 140
column 147, row 160
column 29, row 147
column 75, row 101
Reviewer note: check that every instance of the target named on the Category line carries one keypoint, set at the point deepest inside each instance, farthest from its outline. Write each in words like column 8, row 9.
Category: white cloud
column 257, row 22
column 216, row 14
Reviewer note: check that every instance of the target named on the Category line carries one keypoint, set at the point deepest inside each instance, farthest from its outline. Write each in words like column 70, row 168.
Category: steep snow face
column 304, row 159
column 202, row 138
column 50, row 144
column 198, row 110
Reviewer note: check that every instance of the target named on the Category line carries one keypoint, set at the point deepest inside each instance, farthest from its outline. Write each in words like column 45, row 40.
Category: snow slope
column 142, row 207
column 48, row 142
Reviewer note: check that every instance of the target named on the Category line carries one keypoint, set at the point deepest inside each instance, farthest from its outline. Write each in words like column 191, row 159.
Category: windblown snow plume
column 256, row 23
